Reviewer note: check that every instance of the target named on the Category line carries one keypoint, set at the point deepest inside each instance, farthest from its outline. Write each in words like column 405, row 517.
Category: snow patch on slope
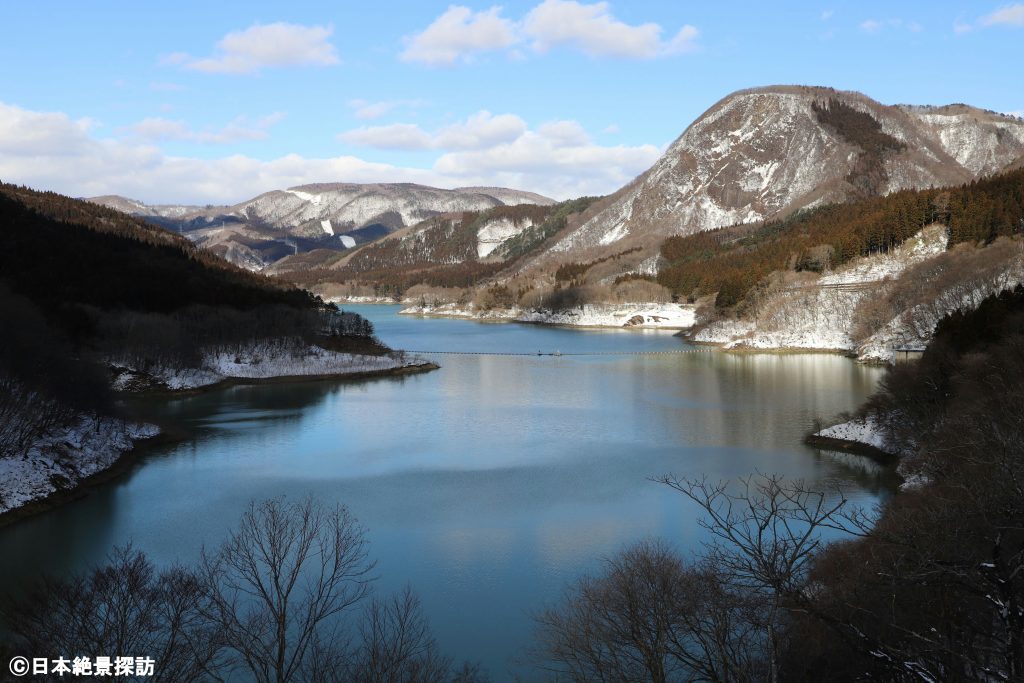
column 497, row 231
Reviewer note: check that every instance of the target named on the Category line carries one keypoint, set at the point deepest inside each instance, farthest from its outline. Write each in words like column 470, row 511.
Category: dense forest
column 868, row 175
column 731, row 261
column 930, row 588
column 81, row 285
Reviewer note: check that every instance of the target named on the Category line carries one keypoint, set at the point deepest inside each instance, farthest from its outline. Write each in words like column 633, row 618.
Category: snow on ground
column 820, row 314
column 362, row 300
column 497, row 231
column 930, row 241
column 807, row 319
column 862, row 431
column 640, row 315
column 65, row 456
column 266, row 362
column 914, row 327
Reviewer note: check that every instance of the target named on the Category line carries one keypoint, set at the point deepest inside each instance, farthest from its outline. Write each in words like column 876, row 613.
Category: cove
column 488, row 485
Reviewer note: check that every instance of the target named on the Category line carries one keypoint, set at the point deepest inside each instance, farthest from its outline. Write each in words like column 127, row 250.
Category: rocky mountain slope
column 331, row 216
column 766, row 152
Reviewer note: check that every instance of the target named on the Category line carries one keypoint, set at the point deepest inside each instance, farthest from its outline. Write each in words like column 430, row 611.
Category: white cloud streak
column 240, row 129
column 482, row 129
column 1010, row 15
column 264, row 46
column 460, row 35
column 367, row 111
column 52, row 151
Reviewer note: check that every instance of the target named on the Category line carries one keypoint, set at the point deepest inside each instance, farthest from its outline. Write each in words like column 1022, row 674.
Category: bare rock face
column 762, row 153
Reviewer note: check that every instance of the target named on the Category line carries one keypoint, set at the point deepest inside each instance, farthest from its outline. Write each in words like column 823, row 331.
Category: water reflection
column 487, row 485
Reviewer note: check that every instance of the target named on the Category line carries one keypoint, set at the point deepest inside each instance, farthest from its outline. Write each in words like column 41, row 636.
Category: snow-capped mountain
column 335, row 216
column 765, row 152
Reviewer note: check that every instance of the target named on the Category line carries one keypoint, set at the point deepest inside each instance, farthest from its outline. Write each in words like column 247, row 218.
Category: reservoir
column 489, row 485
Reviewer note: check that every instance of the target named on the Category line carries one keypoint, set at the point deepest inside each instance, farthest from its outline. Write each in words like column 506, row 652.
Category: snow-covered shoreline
column 859, row 431
column 261, row 363
column 629, row 315
column 864, row 436
column 62, row 459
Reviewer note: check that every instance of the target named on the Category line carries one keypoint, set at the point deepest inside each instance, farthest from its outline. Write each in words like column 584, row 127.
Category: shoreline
column 131, row 457
column 853, row 447
column 227, row 382
column 569, row 326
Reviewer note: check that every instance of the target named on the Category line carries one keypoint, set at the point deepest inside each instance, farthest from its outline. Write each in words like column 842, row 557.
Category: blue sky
column 206, row 102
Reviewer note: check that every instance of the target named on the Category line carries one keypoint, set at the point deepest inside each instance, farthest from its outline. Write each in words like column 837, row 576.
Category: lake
column 488, row 485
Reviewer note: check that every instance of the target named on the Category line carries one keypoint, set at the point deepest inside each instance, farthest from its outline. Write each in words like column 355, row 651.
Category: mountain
column 766, row 152
column 325, row 216
column 756, row 156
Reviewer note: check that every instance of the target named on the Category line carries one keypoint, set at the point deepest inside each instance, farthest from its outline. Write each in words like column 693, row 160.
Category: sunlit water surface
column 488, row 485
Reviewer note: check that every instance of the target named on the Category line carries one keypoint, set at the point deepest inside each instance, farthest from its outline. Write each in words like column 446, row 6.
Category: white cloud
column 548, row 162
column 610, row 128
column 458, row 35
column 826, row 14
column 564, row 133
column 238, row 130
column 264, row 45
column 594, row 31
column 406, row 136
column 482, row 129
column 876, row 26
column 1010, row 15
column 52, row 151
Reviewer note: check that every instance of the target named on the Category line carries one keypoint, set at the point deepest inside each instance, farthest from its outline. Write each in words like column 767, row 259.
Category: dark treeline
column 868, row 176
column 573, row 272
column 731, row 261
column 930, row 590
column 81, row 285
column 287, row 597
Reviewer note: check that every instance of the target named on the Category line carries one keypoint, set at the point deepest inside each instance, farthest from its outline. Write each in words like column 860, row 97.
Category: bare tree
column 123, row 608
column 279, row 583
column 396, row 645
column 651, row 617
column 766, row 534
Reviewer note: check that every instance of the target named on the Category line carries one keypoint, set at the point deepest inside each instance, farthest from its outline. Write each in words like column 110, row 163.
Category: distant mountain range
column 331, row 216
column 756, row 155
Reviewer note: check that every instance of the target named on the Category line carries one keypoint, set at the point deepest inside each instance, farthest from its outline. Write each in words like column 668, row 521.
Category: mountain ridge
column 260, row 231
column 761, row 153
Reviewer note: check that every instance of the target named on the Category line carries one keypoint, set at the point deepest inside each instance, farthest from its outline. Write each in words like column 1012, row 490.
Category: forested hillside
column 731, row 261
column 82, row 286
